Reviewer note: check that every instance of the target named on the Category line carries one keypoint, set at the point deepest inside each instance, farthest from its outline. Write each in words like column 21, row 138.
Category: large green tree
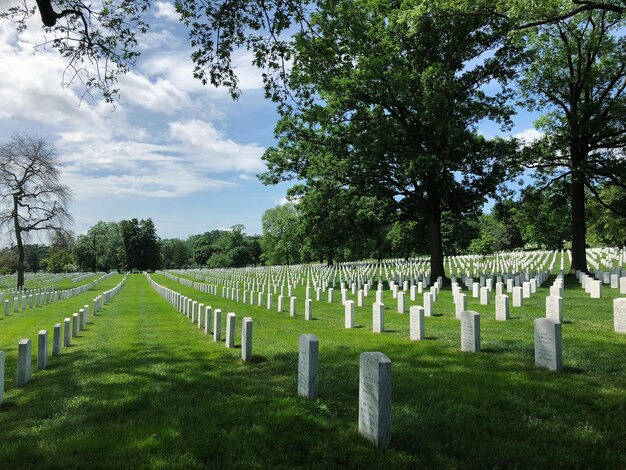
column 141, row 245
column 281, row 236
column 577, row 77
column 387, row 101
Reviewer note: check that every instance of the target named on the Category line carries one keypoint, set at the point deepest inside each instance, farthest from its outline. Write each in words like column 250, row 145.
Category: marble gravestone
column 230, row 330
column 246, row 339
column 416, row 323
column 375, row 398
column 548, row 344
column 502, row 307
column 619, row 315
column 470, row 331
column 349, row 314
column 24, row 352
column 307, row 365
column 554, row 308
column 378, row 320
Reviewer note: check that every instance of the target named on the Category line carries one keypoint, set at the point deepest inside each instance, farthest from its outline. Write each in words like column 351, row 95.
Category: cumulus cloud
column 529, row 136
column 212, row 151
column 160, row 95
column 146, row 146
column 166, row 10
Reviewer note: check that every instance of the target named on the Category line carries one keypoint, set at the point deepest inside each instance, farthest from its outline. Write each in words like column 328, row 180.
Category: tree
column 60, row 254
column 100, row 248
column 32, row 198
column 543, row 216
column 101, row 43
column 175, row 253
column 280, row 239
column 336, row 220
column 389, row 107
column 141, row 245
column 577, row 76
column 604, row 226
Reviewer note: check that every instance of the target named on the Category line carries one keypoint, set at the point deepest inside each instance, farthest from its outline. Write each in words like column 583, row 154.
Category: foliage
column 60, row 256
column 577, row 77
column 101, row 248
column 140, row 244
column 369, row 117
column 605, row 227
column 101, row 42
column 282, row 235
column 175, row 253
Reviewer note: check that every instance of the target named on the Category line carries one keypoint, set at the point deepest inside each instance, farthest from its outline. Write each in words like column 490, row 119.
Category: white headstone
column 554, row 308
column 428, row 304
column 246, row 339
column 517, row 297
column 470, row 331
column 525, row 290
column 308, row 309
column 378, row 320
column 230, row 329
column 67, row 335
column 596, row 289
column 42, row 349
column 56, row 340
column 619, row 315
column 23, row 361
column 217, row 325
column 548, row 344
column 307, row 366
column 475, row 289
column 484, row 296
column 375, row 398
column 401, row 298
column 75, row 325
column 349, row 314
column 293, row 309
column 208, row 310
column 416, row 323
column 460, row 305
column 502, row 307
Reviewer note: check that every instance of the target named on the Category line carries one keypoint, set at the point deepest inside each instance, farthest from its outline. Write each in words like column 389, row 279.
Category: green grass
column 144, row 388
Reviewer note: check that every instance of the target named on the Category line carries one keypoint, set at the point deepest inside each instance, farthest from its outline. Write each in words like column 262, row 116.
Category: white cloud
column 166, row 10
column 529, row 136
column 161, row 95
column 211, row 151
column 111, row 153
column 285, row 200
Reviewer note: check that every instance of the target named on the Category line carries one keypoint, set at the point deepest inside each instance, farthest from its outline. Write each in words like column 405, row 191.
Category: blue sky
column 184, row 154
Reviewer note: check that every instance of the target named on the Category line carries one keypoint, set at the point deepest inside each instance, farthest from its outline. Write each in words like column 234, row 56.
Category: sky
column 183, row 154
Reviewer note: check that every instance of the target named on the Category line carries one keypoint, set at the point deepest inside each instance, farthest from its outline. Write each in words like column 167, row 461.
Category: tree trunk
column 19, row 243
column 578, row 224
column 434, row 239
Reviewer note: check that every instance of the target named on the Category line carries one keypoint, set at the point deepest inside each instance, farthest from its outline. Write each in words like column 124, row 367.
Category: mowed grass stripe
column 28, row 323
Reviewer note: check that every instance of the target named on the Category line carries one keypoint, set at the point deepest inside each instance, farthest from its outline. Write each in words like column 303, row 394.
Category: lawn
column 145, row 388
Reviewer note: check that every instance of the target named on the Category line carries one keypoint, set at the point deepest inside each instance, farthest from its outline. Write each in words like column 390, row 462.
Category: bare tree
column 32, row 199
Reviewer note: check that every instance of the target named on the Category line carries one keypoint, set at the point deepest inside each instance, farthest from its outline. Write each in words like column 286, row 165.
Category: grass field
column 144, row 388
